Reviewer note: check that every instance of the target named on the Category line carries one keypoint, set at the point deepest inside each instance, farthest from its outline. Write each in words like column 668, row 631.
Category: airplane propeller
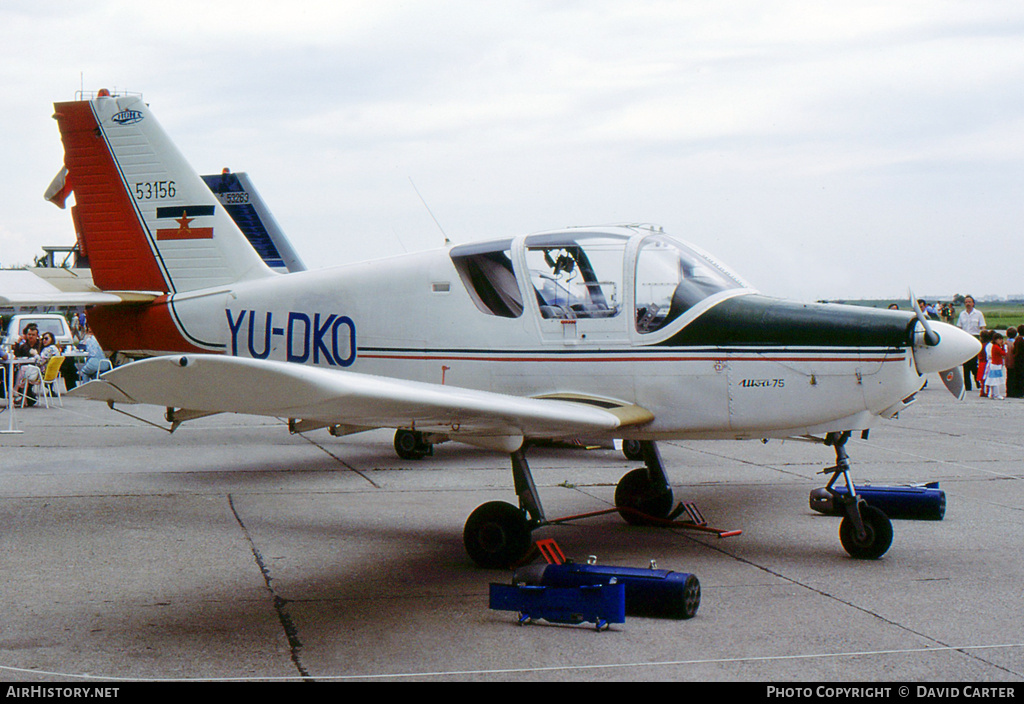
column 930, row 336
column 945, row 358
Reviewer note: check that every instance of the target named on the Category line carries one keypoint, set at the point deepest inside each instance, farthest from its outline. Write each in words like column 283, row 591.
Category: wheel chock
column 550, row 551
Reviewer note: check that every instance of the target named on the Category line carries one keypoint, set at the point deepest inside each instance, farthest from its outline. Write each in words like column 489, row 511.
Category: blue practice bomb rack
column 600, row 604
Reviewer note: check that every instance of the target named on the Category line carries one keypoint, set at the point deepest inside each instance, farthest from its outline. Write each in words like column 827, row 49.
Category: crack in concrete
column 291, row 631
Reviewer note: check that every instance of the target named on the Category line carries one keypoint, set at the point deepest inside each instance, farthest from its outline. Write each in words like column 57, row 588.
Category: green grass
column 998, row 316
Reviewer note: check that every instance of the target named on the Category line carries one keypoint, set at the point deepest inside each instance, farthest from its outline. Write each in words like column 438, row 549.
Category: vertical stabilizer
column 144, row 217
column 246, row 207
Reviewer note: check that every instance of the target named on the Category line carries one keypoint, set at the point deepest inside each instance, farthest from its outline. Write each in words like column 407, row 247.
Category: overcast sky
column 823, row 150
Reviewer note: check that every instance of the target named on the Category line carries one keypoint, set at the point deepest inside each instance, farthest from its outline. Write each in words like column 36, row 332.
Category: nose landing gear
column 866, row 532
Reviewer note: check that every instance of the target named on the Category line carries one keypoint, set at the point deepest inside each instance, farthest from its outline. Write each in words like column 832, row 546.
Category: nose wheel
column 866, row 532
column 412, row 445
column 497, row 535
column 874, row 538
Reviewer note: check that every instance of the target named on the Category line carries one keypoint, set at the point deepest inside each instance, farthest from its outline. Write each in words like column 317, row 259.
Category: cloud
column 823, row 150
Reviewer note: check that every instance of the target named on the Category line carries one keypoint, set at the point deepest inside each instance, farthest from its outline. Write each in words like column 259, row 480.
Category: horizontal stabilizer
column 22, row 288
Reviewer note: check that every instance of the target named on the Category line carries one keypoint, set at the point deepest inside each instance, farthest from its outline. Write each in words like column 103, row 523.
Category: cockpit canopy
column 576, row 277
column 591, row 274
column 671, row 278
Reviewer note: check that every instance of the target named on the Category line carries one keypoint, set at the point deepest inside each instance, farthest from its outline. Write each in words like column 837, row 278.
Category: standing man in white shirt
column 971, row 321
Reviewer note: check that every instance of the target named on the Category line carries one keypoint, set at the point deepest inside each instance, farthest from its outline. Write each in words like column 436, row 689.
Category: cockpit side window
column 576, row 278
column 670, row 279
column 488, row 276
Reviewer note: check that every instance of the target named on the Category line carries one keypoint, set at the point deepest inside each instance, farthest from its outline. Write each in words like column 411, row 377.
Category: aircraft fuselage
column 508, row 317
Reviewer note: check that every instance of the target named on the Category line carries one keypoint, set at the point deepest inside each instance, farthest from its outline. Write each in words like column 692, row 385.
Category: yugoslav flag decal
column 183, row 216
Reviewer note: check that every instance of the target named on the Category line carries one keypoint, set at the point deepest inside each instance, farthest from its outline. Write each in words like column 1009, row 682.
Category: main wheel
column 877, row 534
column 497, row 535
column 410, row 445
column 632, row 450
column 637, row 494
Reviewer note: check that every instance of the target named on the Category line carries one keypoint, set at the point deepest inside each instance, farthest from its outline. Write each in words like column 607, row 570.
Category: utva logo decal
column 128, row 117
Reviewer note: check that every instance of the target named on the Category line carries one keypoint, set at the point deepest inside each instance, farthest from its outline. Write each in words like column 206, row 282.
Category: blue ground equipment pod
column 600, row 604
column 649, row 592
column 923, row 502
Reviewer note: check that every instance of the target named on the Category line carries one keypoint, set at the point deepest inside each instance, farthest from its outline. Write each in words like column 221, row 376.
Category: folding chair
column 50, row 378
column 105, row 366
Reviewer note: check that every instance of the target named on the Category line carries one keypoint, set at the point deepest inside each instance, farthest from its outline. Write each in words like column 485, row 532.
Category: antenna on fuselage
column 446, row 240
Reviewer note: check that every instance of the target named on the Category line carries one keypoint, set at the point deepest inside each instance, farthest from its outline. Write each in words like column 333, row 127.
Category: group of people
column 40, row 349
column 998, row 369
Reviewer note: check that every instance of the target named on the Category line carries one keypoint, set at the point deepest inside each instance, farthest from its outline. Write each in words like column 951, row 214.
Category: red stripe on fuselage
column 597, row 357
column 108, row 226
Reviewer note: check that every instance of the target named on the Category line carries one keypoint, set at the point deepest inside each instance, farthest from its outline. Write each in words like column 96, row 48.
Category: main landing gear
column 866, row 532
column 497, row 534
column 644, row 494
column 412, row 445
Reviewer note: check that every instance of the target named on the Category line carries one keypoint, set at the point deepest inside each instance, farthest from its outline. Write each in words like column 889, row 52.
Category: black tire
column 878, row 534
column 633, row 450
column 497, row 535
column 636, row 494
column 409, row 445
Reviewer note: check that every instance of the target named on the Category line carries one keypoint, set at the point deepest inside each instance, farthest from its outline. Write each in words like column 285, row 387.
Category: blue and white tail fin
column 145, row 219
column 246, row 207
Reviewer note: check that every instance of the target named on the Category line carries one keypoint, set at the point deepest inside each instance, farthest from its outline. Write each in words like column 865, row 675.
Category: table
column 10, row 363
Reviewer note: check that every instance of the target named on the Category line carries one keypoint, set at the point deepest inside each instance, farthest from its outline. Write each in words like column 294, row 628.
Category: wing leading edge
column 215, row 383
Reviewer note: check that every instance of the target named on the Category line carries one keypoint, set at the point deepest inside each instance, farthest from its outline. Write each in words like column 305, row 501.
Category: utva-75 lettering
column 763, row 383
column 316, row 337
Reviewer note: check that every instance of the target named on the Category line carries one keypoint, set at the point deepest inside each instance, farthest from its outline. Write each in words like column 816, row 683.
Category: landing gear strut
column 497, row 534
column 866, row 532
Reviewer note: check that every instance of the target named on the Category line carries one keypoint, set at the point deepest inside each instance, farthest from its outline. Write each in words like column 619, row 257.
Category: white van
column 46, row 322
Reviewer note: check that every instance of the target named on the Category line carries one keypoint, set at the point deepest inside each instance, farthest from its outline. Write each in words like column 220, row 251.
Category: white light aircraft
column 600, row 332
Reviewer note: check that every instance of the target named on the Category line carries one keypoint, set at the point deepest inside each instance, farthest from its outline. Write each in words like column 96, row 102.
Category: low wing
column 216, row 383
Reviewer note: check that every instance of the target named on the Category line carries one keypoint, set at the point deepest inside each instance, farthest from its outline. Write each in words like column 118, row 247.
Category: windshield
column 671, row 278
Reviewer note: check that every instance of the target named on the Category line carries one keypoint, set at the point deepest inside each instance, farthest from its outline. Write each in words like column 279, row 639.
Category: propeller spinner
column 940, row 347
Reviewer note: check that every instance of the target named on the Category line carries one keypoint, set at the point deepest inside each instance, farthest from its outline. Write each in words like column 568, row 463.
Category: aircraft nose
column 954, row 348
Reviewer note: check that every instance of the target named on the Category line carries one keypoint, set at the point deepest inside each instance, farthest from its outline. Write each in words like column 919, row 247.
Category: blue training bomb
column 649, row 592
column 926, row 502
